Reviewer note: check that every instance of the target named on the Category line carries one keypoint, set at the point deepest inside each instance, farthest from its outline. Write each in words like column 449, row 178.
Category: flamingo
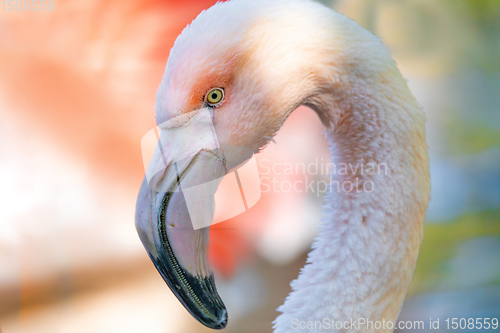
column 243, row 66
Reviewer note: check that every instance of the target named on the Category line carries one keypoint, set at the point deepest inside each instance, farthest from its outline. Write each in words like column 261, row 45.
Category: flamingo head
column 231, row 79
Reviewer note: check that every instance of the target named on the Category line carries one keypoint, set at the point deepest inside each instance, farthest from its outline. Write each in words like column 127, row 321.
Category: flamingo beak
column 168, row 212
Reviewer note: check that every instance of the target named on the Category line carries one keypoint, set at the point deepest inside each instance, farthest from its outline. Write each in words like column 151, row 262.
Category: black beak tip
column 198, row 295
column 220, row 323
column 217, row 318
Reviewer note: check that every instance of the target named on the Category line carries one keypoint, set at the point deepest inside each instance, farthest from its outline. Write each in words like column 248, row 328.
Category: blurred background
column 77, row 93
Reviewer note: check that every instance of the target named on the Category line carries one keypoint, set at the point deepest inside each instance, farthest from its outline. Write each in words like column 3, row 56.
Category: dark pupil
column 214, row 96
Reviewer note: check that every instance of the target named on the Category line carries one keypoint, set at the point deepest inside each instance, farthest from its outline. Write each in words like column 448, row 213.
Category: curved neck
column 363, row 260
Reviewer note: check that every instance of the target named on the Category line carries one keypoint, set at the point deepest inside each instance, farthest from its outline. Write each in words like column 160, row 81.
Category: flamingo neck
column 363, row 260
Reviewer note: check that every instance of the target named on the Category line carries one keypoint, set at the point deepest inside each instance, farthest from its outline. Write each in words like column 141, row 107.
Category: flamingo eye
column 215, row 96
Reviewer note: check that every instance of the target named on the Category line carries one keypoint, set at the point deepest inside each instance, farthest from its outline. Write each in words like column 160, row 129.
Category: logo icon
column 179, row 140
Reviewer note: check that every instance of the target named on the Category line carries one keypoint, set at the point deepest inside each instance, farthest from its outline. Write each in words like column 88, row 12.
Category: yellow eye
column 215, row 96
